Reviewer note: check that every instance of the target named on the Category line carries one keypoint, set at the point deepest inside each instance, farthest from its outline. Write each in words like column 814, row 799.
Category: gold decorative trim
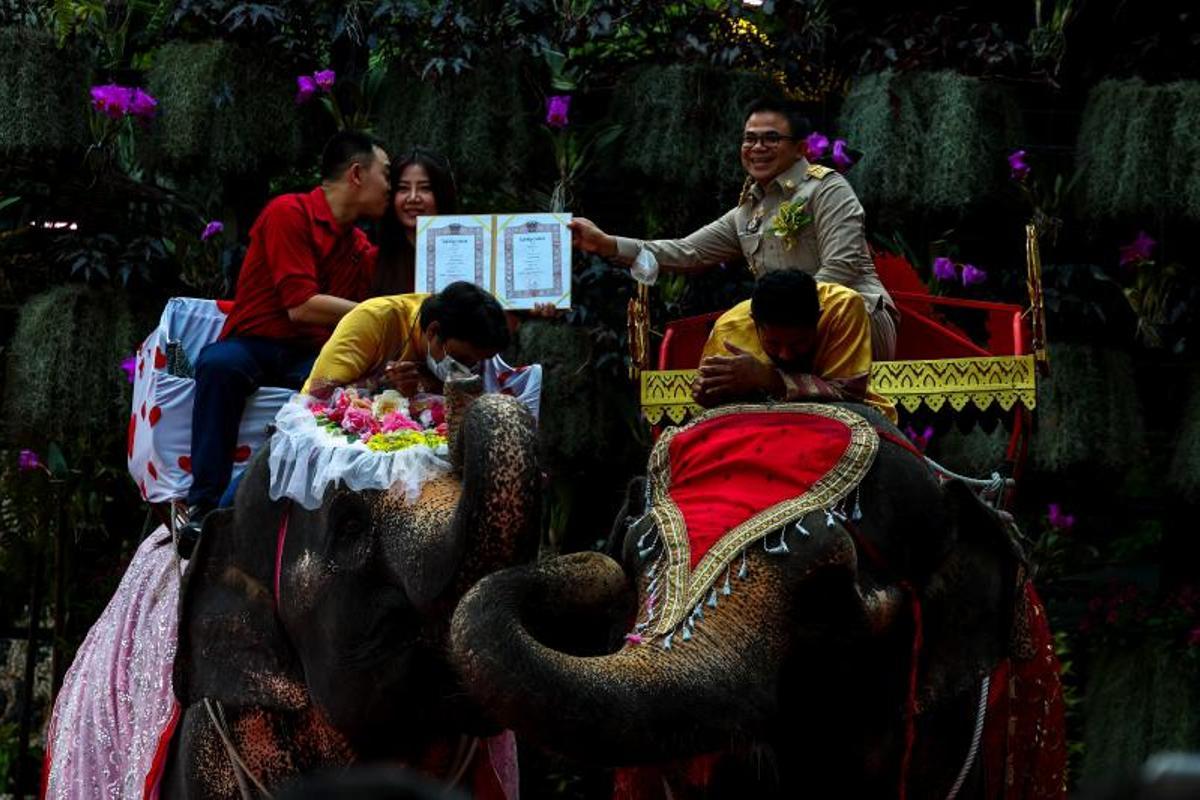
column 682, row 588
column 1000, row 380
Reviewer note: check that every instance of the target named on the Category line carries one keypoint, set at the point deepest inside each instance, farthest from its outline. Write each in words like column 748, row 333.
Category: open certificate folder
column 522, row 259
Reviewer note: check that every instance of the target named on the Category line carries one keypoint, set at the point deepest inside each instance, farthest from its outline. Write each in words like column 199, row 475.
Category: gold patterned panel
column 1001, row 380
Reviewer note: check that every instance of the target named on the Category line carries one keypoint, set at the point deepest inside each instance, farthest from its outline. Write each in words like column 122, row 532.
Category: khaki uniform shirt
column 832, row 247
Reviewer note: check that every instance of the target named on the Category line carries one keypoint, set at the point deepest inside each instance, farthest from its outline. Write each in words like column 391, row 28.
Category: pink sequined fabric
column 117, row 698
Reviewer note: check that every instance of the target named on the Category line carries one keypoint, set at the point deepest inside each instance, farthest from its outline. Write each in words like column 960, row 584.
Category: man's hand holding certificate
column 522, row 259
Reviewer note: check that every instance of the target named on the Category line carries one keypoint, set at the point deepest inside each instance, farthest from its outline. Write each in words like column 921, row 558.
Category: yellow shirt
column 843, row 350
column 375, row 332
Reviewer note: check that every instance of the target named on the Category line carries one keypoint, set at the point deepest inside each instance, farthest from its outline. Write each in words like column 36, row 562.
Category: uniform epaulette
column 818, row 171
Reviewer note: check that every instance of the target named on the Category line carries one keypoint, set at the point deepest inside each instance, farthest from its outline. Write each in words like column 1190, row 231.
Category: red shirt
column 297, row 250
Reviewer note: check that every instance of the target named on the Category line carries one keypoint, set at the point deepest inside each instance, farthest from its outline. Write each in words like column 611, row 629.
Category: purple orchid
column 944, row 269
column 1139, row 250
column 129, row 364
column 111, row 99
column 973, row 275
column 306, row 87
column 211, row 230
column 142, row 104
column 815, row 146
column 557, row 106
column 842, row 160
column 1016, row 163
column 920, row 440
column 1059, row 520
column 28, row 460
column 324, row 79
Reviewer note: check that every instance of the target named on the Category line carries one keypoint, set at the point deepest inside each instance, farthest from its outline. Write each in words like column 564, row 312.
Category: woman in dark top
column 422, row 185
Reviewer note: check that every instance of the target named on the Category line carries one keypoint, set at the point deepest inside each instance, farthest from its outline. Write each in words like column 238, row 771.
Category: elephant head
column 348, row 617
column 799, row 661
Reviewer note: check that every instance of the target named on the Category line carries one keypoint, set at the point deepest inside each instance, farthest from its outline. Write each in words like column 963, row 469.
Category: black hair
column 797, row 123
column 395, row 264
column 343, row 149
column 786, row 297
column 468, row 313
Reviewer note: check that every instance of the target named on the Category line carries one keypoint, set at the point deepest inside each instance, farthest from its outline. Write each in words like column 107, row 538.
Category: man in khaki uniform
column 825, row 236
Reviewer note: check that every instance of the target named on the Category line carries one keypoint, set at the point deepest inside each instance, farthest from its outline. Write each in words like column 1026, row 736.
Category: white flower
column 388, row 401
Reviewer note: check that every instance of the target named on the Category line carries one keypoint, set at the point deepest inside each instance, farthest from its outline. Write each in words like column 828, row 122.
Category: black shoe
column 188, row 533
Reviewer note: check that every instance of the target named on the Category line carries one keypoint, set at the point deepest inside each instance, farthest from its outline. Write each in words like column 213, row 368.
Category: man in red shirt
column 306, row 266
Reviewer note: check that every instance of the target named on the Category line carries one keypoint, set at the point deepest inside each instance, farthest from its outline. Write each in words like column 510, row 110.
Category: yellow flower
column 789, row 219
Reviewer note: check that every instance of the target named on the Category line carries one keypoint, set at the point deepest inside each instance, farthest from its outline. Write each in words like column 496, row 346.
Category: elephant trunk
column 460, row 531
column 644, row 703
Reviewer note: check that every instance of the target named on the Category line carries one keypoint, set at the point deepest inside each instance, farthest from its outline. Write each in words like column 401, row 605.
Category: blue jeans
column 227, row 373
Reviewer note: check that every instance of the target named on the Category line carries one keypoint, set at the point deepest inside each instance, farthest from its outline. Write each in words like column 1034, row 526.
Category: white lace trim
column 306, row 459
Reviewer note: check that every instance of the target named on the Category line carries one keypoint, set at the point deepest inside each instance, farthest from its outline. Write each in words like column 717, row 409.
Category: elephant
column 332, row 650
column 796, row 679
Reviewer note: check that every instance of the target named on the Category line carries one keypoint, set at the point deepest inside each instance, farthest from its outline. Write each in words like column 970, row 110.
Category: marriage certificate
column 522, row 259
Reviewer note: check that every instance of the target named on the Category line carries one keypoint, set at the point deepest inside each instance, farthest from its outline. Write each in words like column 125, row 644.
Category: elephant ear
column 232, row 647
column 968, row 596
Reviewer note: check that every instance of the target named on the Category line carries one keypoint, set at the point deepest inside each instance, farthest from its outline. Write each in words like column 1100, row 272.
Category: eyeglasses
column 768, row 139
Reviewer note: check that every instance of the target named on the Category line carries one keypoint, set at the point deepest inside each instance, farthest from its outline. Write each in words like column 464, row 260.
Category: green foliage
column 1088, row 415
column 1138, row 152
column 1140, row 700
column 223, row 107
column 65, row 381
column 683, row 126
column 481, row 120
column 43, row 95
column 931, row 141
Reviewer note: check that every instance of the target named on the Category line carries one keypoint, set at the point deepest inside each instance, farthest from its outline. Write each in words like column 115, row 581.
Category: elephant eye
column 349, row 517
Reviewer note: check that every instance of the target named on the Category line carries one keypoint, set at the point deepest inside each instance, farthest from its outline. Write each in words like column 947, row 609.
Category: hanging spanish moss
column 222, row 107
column 482, row 121
column 1088, row 414
column 1138, row 150
column 1140, row 700
column 682, row 125
column 931, row 141
column 1183, row 475
column 65, row 377
column 43, row 94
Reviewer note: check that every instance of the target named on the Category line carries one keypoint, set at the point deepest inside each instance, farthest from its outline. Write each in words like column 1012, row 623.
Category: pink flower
column 129, row 364
column 557, row 106
column 815, row 146
column 142, row 104
column 442, row 429
column 324, row 79
column 1059, row 520
column 1139, row 250
column 972, row 275
column 842, row 160
column 922, row 439
column 437, row 413
column 211, row 230
column 306, row 87
column 359, row 420
column 318, row 409
column 1016, row 163
column 28, row 460
column 111, row 99
column 398, row 421
column 633, row 638
column 944, row 269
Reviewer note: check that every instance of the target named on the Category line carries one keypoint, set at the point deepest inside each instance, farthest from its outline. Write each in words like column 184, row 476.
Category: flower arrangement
column 386, row 422
column 789, row 220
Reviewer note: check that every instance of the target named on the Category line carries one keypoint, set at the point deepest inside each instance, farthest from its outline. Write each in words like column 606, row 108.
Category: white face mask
column 447, row 368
